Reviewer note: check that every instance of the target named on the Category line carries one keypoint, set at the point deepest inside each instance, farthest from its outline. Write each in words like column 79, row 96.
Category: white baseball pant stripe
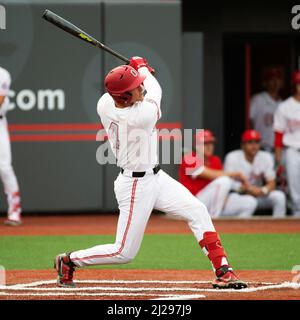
column 137, row 197
column 7, row 173
column 293, row 177
column 214, row 195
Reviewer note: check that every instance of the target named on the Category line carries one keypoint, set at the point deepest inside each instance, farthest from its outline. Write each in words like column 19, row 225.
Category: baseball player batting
column 7, row 174
column 287, row 140
column 129, row 116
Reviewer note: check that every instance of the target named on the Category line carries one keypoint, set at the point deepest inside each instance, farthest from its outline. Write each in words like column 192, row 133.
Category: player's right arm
column 212, row 174
column 269, row 178
column 1, row 100
column 279, row 127
column 147, row 113
column 230, row 164
column 151, row 85
column 278, row 147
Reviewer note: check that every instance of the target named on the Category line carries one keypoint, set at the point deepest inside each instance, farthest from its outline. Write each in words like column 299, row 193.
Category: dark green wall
column 56, row 175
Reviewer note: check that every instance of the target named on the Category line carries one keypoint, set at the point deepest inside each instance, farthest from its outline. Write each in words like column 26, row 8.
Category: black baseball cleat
column 65, row 269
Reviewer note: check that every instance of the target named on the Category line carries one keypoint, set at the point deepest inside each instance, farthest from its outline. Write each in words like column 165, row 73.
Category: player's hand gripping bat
column 75, row 31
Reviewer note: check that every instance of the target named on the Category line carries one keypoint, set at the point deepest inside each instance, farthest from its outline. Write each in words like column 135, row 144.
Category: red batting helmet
column 296, row 77
column 120, row 80
column 250, row 135
column 204, row 136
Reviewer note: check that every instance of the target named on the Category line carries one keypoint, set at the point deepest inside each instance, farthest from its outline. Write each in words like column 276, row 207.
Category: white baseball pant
column 7, row 173
column 293, row 176
column 215, row 194
column 137, row 197
column 244, row 206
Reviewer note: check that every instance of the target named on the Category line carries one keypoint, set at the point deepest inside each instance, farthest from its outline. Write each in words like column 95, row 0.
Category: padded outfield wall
column 56, row 83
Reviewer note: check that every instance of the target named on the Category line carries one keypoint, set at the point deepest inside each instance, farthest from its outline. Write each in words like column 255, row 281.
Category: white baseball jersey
column 262, row 109
column 5, row 81
column 287, row 121
column 128, row 128
column 257, row 172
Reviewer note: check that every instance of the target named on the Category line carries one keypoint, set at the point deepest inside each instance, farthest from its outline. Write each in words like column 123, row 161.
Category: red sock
column 212, row 247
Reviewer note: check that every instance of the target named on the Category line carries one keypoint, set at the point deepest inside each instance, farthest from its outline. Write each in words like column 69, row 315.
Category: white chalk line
column 47, row 282
column 34, row 287
column 15, row 288
column 63, row 294
column 182, row 297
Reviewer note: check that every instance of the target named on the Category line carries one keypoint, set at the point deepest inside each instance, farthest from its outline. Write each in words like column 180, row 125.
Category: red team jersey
column 192, row 161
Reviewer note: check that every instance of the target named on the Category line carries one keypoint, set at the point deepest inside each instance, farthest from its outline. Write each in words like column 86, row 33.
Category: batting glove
column 139, row 62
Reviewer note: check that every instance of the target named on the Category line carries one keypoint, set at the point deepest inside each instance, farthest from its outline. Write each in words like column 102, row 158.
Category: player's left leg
column 136, row 198
column 275, row 200
column 240, row 205
column 176, row 200
column 214, row 195
column 8, row 177
column 293, row 177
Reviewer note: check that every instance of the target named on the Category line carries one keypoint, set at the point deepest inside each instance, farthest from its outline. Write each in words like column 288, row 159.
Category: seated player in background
column 287, row 141
column 7, row 173
column 258, row 167
column 264, row 104
column 207, row 180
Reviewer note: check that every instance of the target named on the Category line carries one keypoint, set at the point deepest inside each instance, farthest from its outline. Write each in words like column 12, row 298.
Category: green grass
column 245, row 251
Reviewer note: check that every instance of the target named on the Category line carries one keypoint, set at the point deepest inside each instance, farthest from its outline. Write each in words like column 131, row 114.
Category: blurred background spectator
column 264, row 104
column 202, row 173
column 287, row 141
column 259, row 191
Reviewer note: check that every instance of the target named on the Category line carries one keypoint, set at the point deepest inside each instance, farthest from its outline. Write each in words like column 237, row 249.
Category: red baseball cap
column 250, row 135
column 273, row 72
column 204, row 136
column 296, row 77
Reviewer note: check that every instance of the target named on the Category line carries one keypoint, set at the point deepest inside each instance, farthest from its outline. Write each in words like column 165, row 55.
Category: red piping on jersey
column 125, row 233
column 117, row 141
column 278, row 139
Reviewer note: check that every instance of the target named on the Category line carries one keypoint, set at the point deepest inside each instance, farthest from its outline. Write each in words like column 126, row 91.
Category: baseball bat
column 75, row 31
